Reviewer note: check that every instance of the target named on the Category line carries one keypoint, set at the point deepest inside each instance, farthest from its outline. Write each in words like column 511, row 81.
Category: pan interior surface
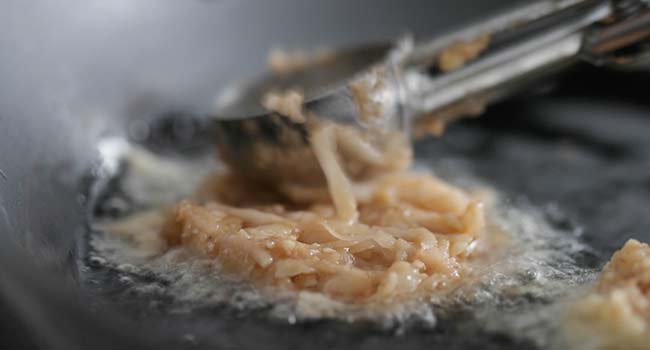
column 553, row 155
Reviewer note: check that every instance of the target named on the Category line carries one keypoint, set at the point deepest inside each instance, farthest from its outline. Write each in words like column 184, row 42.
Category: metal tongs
column 433, row 82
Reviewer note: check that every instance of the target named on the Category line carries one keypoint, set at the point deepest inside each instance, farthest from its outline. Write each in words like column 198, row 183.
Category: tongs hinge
column 623, row 37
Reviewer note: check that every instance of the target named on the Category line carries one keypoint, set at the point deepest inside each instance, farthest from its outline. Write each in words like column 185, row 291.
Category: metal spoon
column 524, row 43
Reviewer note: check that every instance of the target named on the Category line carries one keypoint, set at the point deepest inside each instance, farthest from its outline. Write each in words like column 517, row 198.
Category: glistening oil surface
column 512, row 300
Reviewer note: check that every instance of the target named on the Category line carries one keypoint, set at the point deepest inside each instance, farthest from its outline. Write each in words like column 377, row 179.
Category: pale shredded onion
column 324, row 145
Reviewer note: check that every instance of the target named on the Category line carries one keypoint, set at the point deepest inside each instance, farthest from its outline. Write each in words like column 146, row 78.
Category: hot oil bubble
column 96, row 261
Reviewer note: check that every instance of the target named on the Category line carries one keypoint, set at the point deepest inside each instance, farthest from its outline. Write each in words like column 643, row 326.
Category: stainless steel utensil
column 484, row 62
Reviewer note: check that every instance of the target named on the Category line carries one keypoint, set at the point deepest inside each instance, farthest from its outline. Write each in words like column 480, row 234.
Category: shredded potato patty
column 616, row 315
column 412, row 234
column 371, row 232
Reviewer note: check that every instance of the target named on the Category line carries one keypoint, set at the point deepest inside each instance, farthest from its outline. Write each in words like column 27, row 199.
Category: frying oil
column 518, row 288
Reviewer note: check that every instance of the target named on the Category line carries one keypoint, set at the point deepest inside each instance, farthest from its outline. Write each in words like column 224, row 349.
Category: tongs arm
column 593, row 30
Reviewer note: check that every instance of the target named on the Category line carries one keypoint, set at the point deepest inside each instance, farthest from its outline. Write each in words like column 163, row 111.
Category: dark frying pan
column 75, row 71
